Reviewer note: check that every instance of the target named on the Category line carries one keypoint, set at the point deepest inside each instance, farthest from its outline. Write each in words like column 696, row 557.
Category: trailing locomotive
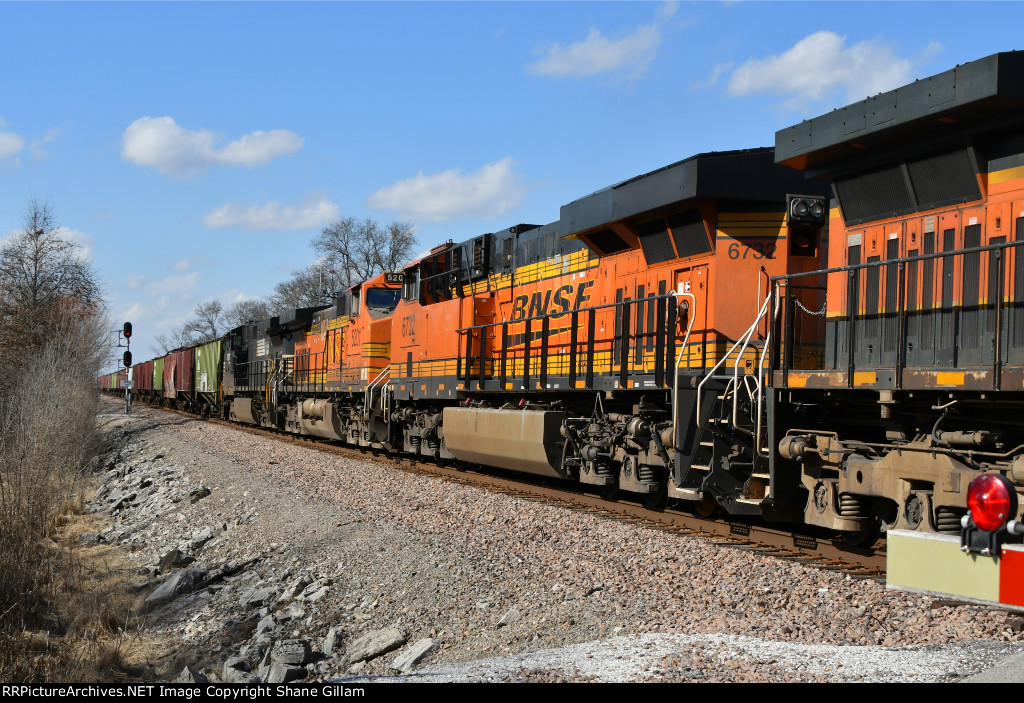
column 825, row 332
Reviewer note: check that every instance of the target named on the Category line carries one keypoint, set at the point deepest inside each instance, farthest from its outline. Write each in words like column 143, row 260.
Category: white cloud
column 188, row 262
column 314, row 211
column 11, row 144
column 716, row 73
column 596, row 54
column 174, row 286
column 491, row 191
column 37, row 144
column 81, row 240
column 134, row 281
column 820, row 65
column 160, row 143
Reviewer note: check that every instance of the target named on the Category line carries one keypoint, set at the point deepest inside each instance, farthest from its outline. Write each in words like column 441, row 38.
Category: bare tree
column 175, row 339
column 205, row 324
column 308, row 287
column 245, row 311
column 42, row 275
column 39, row 266
column 359, row 249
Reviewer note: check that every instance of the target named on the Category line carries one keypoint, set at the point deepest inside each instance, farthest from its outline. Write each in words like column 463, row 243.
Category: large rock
column 266, row 624
column 374, row 644
column 283, row 673
column 297, row 587
column 510, row 616
column 292, row 652
column 232, row 673
column 410, row 658
column 190, row 675
column 201, row 538
column 174, row 558
column 332, row 640
column 179, row 582
column 256, row 597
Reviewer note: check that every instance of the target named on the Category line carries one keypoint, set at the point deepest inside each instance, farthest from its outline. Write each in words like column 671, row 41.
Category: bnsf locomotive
column 826, row 332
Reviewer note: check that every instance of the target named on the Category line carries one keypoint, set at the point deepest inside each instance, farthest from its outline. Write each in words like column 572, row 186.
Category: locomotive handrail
column 765, row 451
column 721, row 361
column 679, row 359
column 368, row 399
column 901, row 260
column 736, row 366
column 660, row 363
column 896, row 269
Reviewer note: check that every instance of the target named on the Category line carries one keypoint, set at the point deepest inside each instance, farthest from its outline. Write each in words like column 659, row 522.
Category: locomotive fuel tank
column 523, row 440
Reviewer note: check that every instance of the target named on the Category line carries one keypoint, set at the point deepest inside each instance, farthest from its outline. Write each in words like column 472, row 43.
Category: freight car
column 690, row 334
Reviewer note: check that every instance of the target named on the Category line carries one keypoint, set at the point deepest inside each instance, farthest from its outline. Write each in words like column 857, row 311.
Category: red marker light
column 992, row 501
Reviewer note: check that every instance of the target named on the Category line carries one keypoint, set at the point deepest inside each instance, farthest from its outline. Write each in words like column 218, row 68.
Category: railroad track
column 811, row 550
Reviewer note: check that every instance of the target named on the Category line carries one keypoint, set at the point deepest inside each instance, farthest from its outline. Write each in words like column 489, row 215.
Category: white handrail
column 736, row 366
column 763, row 451
column 368, row 393
column 711, row 373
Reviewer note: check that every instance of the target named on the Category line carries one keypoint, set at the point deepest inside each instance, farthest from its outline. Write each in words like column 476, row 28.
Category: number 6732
column 754, row 250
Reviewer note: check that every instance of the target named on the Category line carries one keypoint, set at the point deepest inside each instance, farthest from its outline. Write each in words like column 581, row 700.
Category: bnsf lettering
column 540, row 302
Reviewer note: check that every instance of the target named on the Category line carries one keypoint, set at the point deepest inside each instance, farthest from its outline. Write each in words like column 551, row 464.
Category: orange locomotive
column 689, row 334
column 921, row 385
column 574, row 349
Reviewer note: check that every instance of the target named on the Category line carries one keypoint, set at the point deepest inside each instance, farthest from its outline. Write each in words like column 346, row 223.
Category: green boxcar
column 207, row 367
column 158, row 374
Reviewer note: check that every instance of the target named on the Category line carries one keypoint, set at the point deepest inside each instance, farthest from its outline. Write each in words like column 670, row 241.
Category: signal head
column 127, row 330
column 127, row 359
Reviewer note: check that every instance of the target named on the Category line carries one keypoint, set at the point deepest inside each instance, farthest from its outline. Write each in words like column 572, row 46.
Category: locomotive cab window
column 383, row 299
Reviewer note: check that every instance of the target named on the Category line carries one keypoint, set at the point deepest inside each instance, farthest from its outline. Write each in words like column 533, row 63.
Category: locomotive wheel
column 657, row 500
column 863, row 539
column 610, row 492
column 705, row 508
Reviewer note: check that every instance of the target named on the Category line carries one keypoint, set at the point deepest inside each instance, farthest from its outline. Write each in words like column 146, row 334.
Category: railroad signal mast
column 127, row 359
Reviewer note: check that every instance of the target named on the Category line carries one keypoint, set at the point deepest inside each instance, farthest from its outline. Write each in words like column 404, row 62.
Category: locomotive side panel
column 922, row 369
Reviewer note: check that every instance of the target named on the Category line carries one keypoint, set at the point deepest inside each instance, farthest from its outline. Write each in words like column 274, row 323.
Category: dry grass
column 67, row 610
column 92, row 628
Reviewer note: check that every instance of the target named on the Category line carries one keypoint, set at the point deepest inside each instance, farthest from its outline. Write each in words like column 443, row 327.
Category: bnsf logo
column 562, row 300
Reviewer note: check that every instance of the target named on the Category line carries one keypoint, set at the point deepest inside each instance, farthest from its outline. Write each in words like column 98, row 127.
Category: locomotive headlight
column 992, row 501
column 806, row 210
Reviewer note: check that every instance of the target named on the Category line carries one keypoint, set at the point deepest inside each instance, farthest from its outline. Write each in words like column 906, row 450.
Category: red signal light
column 992, row 501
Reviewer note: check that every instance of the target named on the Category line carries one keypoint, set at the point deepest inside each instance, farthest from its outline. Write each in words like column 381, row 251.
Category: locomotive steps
column 303, row 560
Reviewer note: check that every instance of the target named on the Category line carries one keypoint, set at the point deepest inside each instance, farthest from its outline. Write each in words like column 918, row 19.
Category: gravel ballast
column 299, row 545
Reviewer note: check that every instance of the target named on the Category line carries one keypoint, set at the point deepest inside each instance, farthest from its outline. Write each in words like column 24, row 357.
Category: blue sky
column 195, row 149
